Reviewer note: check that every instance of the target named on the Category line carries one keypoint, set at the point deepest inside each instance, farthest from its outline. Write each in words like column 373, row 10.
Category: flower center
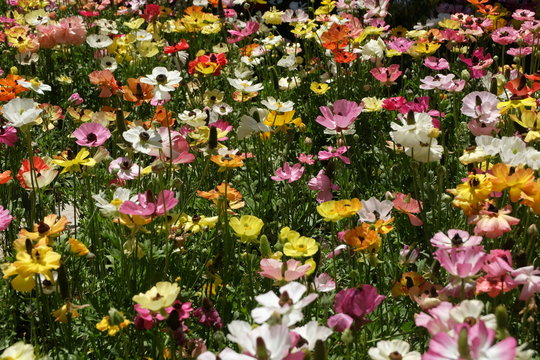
column 395, row 356
column 91, row 137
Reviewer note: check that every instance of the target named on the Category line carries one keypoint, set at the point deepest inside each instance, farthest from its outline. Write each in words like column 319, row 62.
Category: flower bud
column 115, row 317
column 321, row 351
column 465, row 74
column 463, row 344
column 532, row 231
column 13, row 70
column 501, row 315
column 347, row 337
column 265, row 248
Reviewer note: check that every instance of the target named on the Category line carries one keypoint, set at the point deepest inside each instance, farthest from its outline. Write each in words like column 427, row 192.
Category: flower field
column 243, row 179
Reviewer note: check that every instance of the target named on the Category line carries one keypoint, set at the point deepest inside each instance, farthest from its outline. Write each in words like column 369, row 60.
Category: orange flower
column 137, row 92
column 106, row 81
column 505, row 177
column 5, row 177
column 43, row 233
column 228, row 161
column 234, row 197
column 409, row 281
column 248, row 49
column 363, row 237
column 9, row 88
column 336, row 37
column 344, row 57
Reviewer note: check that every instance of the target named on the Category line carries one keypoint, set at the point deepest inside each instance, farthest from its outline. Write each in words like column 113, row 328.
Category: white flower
column 143, row 35
column 289, row 305
column 19, row 351
column 273, row 104
column 98, row 41
column 512, row 151
column 374, row 209
column 289, row 83
column 106, row 26
column 533, row 158
column 288, row 62
column 489, row 144
column 26, row 58
column 249, row 126
column 245, row 85
column 164, row 81
column 37, row 17
column 426, row 152
column 110, row 209
column 275, row 340
column 243, row 72
column 142, row 140
column 469, row 310
column 412, row 132
column 35, row 85
column 393, row 349
column 311, row 332
column 194, row 118
column 108, row 63
column 372, row 50
column 20, row 112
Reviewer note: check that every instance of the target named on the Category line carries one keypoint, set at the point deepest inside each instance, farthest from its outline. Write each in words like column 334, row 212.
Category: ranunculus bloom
column 91, row 134
column 324, row 185
column 8, row 135
column 341, row 117
column 388, row 75
column 150, row 204
column 289, row 271
column 289, row 173
column 5, row 218
column 492, row 222
column 358, row 303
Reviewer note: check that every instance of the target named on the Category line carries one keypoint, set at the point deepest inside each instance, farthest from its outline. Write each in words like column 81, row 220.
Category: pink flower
column 91, row 134
column 324, row 185
column 5, row 218
column 144, row 320
column 173, row 146
column 493, row 222
column 75, row 99
column 454, row 239
column 505, row 35
column 208, row 315
column 239, row 34
column 149, row 204
column 306, row 159
column 388, row 75
column 124, row 169
column 289, row 173
column 72, row 31
column 340, row 322
column 477, row 63
column 442, row 82
column 529, row 277
column 47, row 35
column 151, row 12
column 344, row 114
column 481, row 106
column 523, row 15
column 335, row 153
column 436, row 63
column 401, row 45
column 436, row 319
column 289, row 271
column 8, row 135
column 406, row 204
column 498, row 266
column 520, row 52
column 357, row 303
column 444, row 346
column 464, row 262
column 324, row 283
column 478, row 128
column 394, row 103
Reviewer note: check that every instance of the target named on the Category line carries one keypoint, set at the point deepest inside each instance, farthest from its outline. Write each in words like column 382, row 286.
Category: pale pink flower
column 47, row 35
column 406, row 204
column 523, row 15
column 529, row 277
column 72, row 31
column 335, row 153
column 505, row 35
column 289, row 173
column 289, row 271
column 174, row 147
column 124, row 168
column 341, row 117
column 481, row 106
column 324, row 283
column 444, row 346
column 91, row 134
column 324, row 185
column 478, row 128
column 239, row 34
column 492, row 222
column 520, row 51
column 454, row 239
column 464, row 262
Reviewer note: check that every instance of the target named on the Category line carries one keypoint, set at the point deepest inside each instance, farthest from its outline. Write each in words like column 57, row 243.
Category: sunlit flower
column 159, row 297
column 247, row 227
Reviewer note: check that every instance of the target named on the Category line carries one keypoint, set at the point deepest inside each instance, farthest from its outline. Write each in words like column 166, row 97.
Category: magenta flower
column 149, row 204
column 124, row 169
column 8, row 135
column 394, row 103
column 289, row 173
column 335, row 153
column 401, row 45
column 505, row 35
column 444, row 346
column 388, row 75
column 239, row 34
column 324, row 185
column 208, row 315
column 344, row 114
column 477, row 63
column 289, row 271
column 75, row 99
column 144, row 320
column 436, row 63
column 5, row 218
column 454, row 239
column 357, row 303
column 91, row 134
column 529, row 277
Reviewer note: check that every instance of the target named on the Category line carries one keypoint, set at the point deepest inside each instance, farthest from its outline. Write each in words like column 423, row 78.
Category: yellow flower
column 319, row 88
column 529, row 119
column 247, row 227
column 197, row 223
column 504, row 106
column 450, row 24
column 61, row 314
column 273, row 16
column 44, row 232
column 113, row 324
column 18, row 351
column 313, row 265
column 424, row 48
column 74, row 164
column 372, row 104
column 158, row 297
column 300, row 246
column 29, row 263
column 336, row 210
column 77, row 247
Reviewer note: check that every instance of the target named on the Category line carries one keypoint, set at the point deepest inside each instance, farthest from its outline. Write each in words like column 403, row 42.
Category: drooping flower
column 335, row 153
column 323, row 185
column 492, row 222
column 5, row 218
column 387, row 76
column 20, row 112
column 341, row 116
column 529, row 277
column 406, row 204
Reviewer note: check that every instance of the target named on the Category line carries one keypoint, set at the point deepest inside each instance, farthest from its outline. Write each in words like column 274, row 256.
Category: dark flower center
column 43, row 228
column 395, row 356
column 144, row 136
column 161, row 78
column 91, row 137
